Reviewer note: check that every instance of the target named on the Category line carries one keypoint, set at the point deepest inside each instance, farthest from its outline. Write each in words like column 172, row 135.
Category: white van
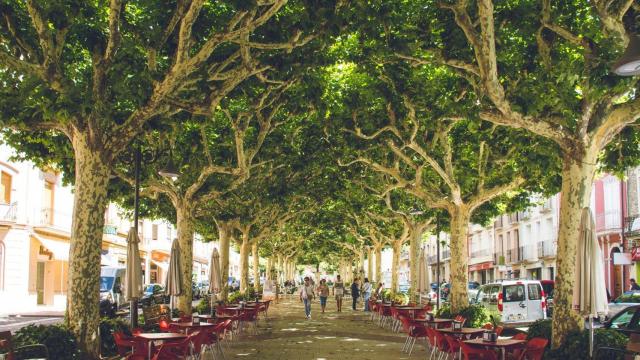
column 111, row 286
column 513, row 303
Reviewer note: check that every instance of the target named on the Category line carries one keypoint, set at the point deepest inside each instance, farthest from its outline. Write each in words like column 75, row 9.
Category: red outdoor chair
column 433, row 342
column 441, row 343
column 175, row 350
column 127, row 345
column 473, row 353
column 499, row 330
column 487, row 326
column 453, row 345
column 460, row 319
column 414, row 331
column 534, row 349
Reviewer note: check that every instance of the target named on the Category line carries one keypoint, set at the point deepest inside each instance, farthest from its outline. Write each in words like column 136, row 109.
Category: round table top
column 161, row 336
column 464, row 330
column 410, row 308
column 498, row 343
column 192, row 324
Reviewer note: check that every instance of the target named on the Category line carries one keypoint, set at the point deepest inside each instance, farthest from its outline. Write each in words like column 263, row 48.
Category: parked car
column 154, row 294
column 445, row 289
column 203, row 288
column 111, row 297
column 548, row 286
column 626, row 321
column 195, row 291
column 403, row 288
column 628, row 298
column 513, row 303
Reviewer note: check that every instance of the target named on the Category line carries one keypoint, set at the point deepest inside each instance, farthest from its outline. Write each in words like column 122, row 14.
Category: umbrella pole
column 590, row 337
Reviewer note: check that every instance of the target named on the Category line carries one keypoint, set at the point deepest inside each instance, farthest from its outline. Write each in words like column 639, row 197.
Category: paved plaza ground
column 347, row 335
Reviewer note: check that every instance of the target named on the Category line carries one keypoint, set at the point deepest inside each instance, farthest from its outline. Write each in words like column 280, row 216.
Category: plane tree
column 93, row 75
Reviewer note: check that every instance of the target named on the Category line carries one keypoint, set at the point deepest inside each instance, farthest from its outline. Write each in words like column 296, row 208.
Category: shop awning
column 58, row 248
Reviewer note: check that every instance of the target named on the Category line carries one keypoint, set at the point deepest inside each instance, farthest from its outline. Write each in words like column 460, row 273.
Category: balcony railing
column 446, row 254
column 54, row 218
column 480, row 253
column 514, row 255
column 547, row 248
column 529, row 252
column 609, row 221
column 9, row 212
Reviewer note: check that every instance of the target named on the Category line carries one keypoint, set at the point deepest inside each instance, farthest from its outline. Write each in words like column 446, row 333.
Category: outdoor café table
column 462, row 332
column 149, row 337
column 190, row 325
column 410, row 309
column 501, row 344
column 436, row 323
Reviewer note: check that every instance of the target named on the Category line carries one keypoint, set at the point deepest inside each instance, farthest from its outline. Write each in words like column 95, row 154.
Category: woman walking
column 366, row 293
column 306, row 295
column 338, row 291
column 323, row 293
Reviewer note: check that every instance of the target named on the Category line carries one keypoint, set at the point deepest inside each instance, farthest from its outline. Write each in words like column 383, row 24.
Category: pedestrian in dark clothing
column 634, row 284
column 355, row 292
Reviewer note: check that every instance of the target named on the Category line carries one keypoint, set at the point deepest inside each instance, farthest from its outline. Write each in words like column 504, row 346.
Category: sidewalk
column 347, row 335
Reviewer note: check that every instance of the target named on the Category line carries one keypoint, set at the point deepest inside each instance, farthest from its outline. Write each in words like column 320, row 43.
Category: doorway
column 616, row 275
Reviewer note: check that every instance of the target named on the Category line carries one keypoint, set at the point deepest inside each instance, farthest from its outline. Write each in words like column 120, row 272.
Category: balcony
column 547, row 249
column 499, row 223
column 514, row 255
column 57, row 219
column 446, row 255
column 9, row 212
column 524, row 215
column 609, row 222
column 499, row 258
column 529, row 252
column 547, row 206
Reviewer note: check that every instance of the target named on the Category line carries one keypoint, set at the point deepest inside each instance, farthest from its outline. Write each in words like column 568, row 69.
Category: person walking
column 306, row 295
column 355, row 292
column 366, row 293
column 378, row 292
column 323, row 293
column 338, row 292
column 634, row 284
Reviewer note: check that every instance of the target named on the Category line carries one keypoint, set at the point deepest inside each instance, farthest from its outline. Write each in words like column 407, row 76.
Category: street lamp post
column 438, row 263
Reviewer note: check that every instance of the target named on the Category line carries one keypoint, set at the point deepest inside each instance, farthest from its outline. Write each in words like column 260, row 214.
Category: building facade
column 35, row 221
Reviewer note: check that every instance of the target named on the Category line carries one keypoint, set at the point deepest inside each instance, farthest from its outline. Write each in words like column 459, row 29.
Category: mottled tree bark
column 577, row 178
column 184, row 216
column 378, row 251
column 414, row 252
column 224, row 235
column 459, row 297
column 244, row 263
column 256, row 265
column 90, row 201
column 395, row 264
column 370, row 264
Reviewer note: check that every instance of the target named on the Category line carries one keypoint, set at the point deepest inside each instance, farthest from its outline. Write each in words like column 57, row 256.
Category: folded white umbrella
column 423, row 281
column 174, row 274
column 133, row 278
column 214, row 275
column 589, row 292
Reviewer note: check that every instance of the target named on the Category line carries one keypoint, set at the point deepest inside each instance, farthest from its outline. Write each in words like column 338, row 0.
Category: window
column 47, row 203
column 493, row 295
column 513, row 293
column 154, row 232
column 534, row 292
column 621, row 320
column 5, row 188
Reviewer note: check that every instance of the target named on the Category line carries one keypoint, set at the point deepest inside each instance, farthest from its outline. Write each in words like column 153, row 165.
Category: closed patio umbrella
column 589, row 293
column 133, row 279
column 133, row 276
column 423, row 281
column 214, row 276
column 174, row 273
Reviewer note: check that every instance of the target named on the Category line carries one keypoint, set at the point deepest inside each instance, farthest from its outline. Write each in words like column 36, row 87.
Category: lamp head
column 170, row 170
column 629, row 63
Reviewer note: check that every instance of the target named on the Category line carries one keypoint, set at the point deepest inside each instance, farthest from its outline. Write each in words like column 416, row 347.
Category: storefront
column 481, row 272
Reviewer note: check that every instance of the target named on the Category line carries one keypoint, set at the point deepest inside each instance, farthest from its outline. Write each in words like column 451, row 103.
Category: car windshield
column 628, row 298
column 148, row 289
column 106, row 283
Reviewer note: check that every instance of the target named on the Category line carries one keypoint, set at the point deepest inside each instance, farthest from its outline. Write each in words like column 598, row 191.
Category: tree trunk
column 577, row 179
column 279, row 270
column 378, row 251
column 256, row 265
column 361, row 265
column 244, row 263
column 370, row 264
column 185, row 240
column 459, row 297
column 224, row 235
column 414, row 252
column 395, row 265
column 267, row 274
column 90, row 201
